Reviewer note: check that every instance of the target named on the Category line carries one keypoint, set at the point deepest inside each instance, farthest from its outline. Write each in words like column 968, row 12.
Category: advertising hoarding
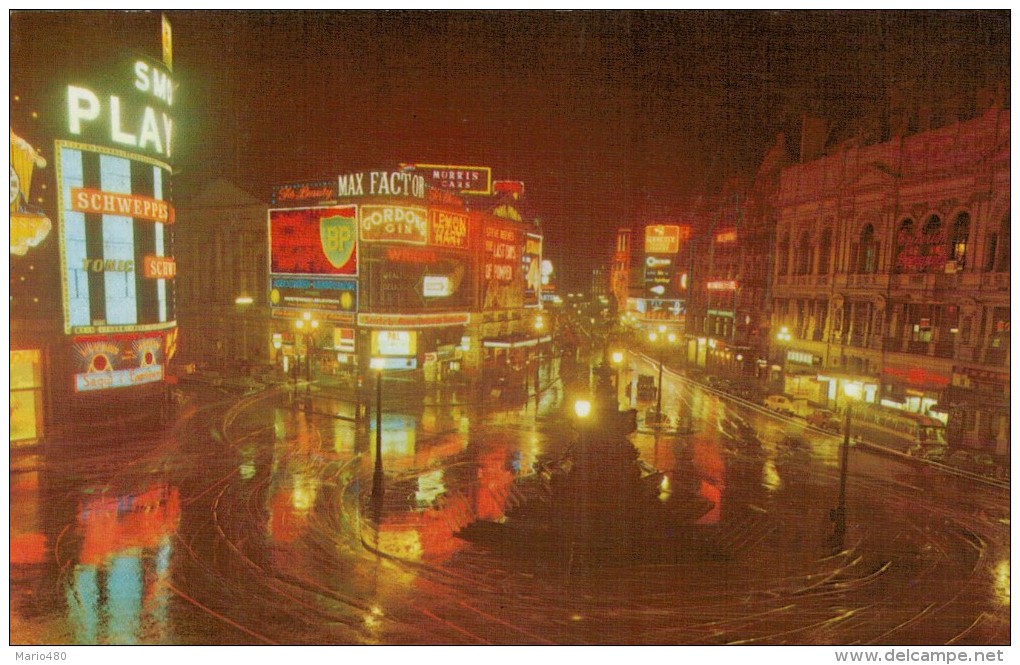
column 390, row 223
column 461, row 179
column 114, row 226
column 306, row 193
column 658, row 275
column 448, row 229
column 118, row 360
column 394, row 343
column 665, row 238
column 313, row 241
column 313, row 293
column 502, row 283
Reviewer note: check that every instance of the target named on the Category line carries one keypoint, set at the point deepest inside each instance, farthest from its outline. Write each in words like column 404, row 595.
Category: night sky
column 610, row 118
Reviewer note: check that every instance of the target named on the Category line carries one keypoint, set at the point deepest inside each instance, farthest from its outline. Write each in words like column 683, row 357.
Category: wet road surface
column 252, row 522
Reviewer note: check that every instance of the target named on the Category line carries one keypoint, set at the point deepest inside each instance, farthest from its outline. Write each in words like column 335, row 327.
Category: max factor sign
column 381, row 183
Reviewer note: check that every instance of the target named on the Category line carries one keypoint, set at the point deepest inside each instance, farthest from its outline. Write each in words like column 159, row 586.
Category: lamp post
column 582, row 409
column 378, row 364
column 307, row 326
column 617, row 360
column 838, row 514
column 783, row 337
column 666, row 339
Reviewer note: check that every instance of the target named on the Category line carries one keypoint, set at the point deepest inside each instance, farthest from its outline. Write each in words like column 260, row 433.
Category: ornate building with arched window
column 892, row 271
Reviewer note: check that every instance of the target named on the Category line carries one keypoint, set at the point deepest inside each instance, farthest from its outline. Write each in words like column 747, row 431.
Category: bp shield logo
column 338, row 236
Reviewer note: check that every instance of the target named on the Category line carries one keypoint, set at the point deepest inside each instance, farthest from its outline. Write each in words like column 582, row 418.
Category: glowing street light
column 582, row 409
column 378, row 365
column 616, row 358
column 670, row 340
column 307, row 326
column 852, row 391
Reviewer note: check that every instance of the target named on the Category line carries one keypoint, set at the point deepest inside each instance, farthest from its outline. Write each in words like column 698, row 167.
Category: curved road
column 252, row 523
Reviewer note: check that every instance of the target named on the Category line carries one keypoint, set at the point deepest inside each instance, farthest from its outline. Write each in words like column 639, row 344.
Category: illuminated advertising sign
column 665, row 238
column 394, row 343
column 313, row 241
column 114, row 215
column 515, row 187
column 381, row 183
column 726, row 236
column 394, row 224
column 448, row 229
column 316, row 293
column 436, row 286
column 502, row 284
column 658, row 275
column 722, row 285
column 462, row 179
column 531, row 269
column 304, row 192
column 344, row 340
column 111, row 203
column 134, row 115
column 117, row 361
column 28, row 226
column 368, row 320
column 159, row 267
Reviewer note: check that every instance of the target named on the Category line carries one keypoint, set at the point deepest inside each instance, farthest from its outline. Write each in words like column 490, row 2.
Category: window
column 905, row 246
column 1002, row 265
column 804, row 254
column 784, row 255
column 958, row 247
column 867, row 257
column 824, row 251
column 933, row 248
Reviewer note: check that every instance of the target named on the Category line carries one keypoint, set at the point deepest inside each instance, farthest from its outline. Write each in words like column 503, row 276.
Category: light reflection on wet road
column 251, row 523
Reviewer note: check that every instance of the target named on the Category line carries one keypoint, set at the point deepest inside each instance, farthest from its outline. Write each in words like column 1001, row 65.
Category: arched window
column 804, row 254
column 961, row 234
column 824, row 252
column 906, row 247
column 867, row 258
column 933, row 247
column 784, row 255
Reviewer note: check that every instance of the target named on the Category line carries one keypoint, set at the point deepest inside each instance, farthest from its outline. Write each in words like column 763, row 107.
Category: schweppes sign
column 338, row 235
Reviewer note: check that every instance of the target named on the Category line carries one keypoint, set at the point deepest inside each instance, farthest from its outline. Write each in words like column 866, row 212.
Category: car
column 780, row 403
column 824, row 419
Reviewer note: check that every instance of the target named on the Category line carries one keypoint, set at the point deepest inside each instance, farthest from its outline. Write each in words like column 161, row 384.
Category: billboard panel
column 319, row 294
column 118, row 360
column 502, row 284
column 665, row 238
column 313, row 241
column 115, row 224
column 393, row 223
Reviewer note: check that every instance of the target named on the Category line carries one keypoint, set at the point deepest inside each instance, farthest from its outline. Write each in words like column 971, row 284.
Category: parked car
column 780, row 403
column 824, row 419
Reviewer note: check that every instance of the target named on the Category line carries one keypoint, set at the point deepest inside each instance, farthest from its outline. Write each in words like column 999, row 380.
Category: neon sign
column 140, row 128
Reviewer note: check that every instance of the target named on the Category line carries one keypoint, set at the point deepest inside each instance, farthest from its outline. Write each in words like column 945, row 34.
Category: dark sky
column 610, row 118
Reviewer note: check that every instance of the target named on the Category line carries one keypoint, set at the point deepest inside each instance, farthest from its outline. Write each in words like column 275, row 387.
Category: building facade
column 892, row 272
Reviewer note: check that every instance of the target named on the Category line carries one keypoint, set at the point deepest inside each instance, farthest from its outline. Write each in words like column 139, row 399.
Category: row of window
column 917, row 249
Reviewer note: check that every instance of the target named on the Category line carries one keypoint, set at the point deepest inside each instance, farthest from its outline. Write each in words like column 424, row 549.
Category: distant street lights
column 852, row 391
column 378, row 364
column 307, row 326
column 661, row 339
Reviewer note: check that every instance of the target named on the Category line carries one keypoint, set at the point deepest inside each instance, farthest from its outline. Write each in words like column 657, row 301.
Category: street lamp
column 582, row 409
column 666, row 339
column 378, row 364
column 616, row 358
column 852, row 391
column 307, row 326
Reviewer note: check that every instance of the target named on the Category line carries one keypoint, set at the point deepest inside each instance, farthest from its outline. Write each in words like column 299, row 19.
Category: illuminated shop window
column 26, row 395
